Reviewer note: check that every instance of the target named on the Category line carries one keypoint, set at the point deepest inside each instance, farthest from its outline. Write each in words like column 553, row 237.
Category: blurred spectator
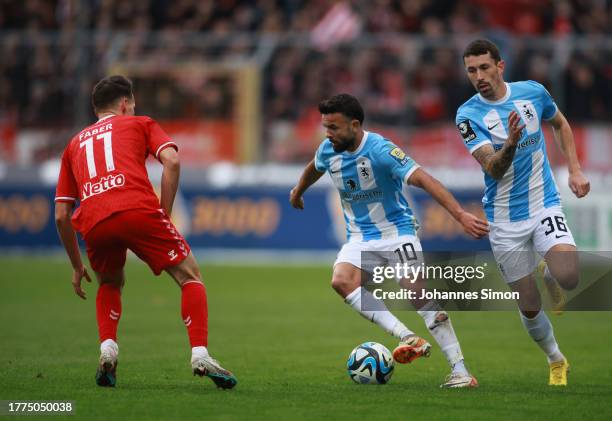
column 47, row 70
column 588, row 90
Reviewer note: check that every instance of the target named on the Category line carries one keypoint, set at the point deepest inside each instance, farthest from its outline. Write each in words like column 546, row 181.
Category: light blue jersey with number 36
column 369, row 181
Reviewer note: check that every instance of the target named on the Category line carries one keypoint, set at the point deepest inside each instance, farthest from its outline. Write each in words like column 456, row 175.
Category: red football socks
column 108, row 311
column 194, row 309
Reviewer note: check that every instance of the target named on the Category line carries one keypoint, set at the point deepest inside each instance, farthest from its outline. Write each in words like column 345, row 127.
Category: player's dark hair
column 480, row 47
column 109, row 90
column 344, row 104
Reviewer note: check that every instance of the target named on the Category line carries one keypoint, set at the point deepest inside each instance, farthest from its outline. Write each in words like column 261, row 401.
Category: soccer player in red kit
column 103, row 169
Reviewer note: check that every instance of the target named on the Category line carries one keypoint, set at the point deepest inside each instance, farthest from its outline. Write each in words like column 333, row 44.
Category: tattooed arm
column 497, row 163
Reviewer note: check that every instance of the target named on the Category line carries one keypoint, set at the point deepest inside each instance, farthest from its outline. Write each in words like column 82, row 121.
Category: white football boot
column 106, row 375
column 205, row 365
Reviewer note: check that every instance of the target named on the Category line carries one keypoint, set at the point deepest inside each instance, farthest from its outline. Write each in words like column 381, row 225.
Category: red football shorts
column 148, row 233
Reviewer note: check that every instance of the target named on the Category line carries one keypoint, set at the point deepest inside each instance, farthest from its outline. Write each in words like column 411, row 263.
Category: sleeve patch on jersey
column 399, row 156
column 467, row 133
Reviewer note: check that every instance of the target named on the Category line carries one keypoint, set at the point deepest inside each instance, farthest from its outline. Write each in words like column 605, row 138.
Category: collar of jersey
column 499, row 101
column 363, row 141
column 105, row 117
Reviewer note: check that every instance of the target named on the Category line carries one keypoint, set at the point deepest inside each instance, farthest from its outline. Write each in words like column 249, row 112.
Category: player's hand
column 514, row 129
column 473, row 226
column 297, row 201
column 579, row 184
column 77, row 276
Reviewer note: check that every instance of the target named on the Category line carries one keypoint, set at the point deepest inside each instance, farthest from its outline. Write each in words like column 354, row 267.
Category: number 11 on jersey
column 108, row 153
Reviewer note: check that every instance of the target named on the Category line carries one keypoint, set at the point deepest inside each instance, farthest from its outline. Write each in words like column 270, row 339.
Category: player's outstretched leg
column 439, row 324
column 540, row 329
column 194, row 311
column 108, row 313
column 347, row 283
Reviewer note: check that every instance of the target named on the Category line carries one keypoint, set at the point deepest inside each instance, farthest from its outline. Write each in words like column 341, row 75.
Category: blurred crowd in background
column 413, row 16
column 414, row 81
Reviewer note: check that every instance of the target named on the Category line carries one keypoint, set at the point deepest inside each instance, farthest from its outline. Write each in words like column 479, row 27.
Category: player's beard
column 343, row 144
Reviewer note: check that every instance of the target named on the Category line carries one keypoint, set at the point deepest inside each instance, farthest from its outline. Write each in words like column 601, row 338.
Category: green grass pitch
column 286, row 335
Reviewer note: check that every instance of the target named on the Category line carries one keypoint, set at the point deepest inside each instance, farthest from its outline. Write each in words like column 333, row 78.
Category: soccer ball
column 370, row 363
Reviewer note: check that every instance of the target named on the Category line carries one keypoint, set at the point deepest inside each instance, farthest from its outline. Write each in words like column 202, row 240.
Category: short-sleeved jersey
column 528, row 185
column 369, row 181
column 103, row 168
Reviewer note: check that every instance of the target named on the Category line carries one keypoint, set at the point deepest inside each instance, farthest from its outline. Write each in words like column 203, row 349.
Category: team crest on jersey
column 467, row 133
column 364, row 172
column 351, row 184
column 528, row 111
column 399, row 155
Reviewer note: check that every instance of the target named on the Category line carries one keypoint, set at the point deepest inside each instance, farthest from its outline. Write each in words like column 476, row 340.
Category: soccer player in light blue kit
column 369, row 171
column 501, row 127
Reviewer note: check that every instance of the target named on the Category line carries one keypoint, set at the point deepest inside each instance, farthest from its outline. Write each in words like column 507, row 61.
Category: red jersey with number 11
column 103, row 168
